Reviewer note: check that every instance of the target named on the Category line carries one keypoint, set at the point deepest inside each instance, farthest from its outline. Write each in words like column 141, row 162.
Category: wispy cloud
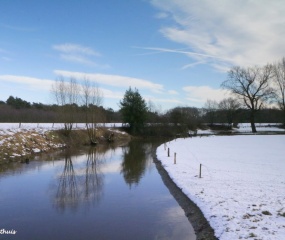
column 188, row 53
column 190, row 65
column 200, row 94
column 226, row 33
column 6, row 59
column 107, row 93
column 161, row 15
column 29, row 82
column 172, row 92
column 78, row 54
column 17, row 28
column 163, row 100
column 77, row 59
column 39, row 84
column 69, row 48
column 113, row 80
column 4, row 52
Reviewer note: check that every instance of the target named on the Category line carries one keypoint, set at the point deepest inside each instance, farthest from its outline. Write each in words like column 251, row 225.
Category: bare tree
column 279, row 85
column 92, row 99
column 230, row 107
column 251, row 86
column 66, row 95
column 211, row 107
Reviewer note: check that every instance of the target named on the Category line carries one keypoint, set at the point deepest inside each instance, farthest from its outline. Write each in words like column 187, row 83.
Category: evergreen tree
column 18, row 103
column 134, row 110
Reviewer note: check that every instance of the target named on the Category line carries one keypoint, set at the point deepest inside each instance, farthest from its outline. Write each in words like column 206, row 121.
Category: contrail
column 159, row 50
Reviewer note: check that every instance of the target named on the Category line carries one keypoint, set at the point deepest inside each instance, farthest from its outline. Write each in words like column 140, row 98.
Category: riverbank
column 241, row 189
column 202, row 228
column 22, row 143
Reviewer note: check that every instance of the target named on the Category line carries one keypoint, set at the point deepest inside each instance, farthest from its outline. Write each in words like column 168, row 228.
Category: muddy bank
column 25, row 144
column 80, row 137
column 201, row 226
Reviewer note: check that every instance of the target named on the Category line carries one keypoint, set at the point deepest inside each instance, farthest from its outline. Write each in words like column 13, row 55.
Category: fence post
column 168, row 152
column 200, row 173
column 174, row 158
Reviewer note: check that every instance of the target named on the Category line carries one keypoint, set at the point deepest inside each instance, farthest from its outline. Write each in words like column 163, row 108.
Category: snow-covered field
column 245, row 128
column 10, row 128
column 15, row 127
column 242, row 189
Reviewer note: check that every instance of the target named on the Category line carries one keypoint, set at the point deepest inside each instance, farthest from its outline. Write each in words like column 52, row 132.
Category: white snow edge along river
column 242, row 189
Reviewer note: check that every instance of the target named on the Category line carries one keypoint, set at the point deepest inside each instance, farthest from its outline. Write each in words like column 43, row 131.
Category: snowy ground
column 11, row 128
column 14, row 127
column 242, row 189
column 245, row 128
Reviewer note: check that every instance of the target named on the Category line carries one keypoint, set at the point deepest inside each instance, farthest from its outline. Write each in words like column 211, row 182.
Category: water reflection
column 76, row 182
column 133, row 166
column 93, row 177
column 80, row 184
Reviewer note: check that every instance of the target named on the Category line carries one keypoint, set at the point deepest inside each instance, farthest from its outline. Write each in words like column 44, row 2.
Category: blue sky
column 175, row 52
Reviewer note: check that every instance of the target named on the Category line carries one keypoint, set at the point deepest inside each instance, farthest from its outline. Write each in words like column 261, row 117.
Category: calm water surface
column 93, row 193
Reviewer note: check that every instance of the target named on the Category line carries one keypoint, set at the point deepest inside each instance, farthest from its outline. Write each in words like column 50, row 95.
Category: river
column 90, row 193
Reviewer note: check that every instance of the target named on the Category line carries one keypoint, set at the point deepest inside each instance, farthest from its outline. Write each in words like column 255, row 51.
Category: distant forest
column 18, row 110
column 15, row 109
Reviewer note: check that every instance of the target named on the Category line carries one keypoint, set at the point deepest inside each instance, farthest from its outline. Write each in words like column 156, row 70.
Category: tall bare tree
column 279, row 85
column 66, row 94
column 92, row 99
column 251, row 86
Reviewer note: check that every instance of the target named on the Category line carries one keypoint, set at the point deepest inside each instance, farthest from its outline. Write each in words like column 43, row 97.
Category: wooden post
column 168, row 152
column 174, row 158
column 200, row 173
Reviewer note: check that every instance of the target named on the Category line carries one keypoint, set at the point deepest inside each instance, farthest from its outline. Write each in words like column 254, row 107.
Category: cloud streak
column 113, row 80
column 38, row 84
column 17, row 28
column 226, row 33
column 29, row 82
column 69, row 48
column 201, row 94
column 188, row 53
column 77, row 53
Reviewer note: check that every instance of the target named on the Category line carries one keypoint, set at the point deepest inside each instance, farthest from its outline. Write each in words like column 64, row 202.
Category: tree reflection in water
column 67, row 186
column 93, row 177
column 135, row 159
column 82, row 184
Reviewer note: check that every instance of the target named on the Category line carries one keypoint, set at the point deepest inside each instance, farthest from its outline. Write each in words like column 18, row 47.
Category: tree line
column 253, row 91
column 16, row 111
column 257, row 95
